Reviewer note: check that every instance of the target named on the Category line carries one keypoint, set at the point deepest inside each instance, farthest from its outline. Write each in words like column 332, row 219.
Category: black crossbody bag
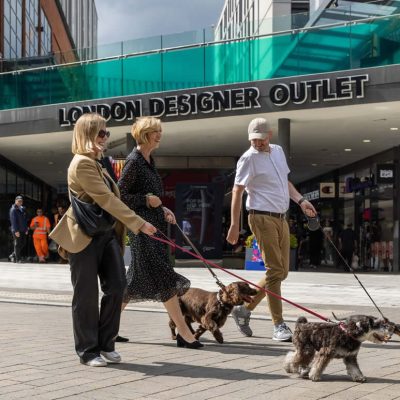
column 91, row 218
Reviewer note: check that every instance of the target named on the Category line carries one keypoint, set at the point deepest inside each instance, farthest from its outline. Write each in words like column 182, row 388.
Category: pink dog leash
column 172, row 244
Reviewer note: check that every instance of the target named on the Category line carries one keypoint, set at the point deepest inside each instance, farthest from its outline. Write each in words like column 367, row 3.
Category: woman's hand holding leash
column 169, row 216
column 148, row 229
column 152, row 201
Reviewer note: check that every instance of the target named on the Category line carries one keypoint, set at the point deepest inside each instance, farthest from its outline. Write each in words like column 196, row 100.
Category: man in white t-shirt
column 263, row 172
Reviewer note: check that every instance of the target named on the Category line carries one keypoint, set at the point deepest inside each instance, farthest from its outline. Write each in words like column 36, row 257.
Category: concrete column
column 284, row 136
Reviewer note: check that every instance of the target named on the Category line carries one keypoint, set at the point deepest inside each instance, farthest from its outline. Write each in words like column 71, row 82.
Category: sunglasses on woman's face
column 103, row 133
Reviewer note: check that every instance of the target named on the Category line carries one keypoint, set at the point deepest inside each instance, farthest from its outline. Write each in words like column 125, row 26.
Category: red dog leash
column 172, row 244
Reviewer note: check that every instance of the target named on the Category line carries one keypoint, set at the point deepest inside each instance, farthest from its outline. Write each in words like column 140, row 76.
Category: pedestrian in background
column 59, row 214
column 41, row 228
column 262, row 172
column 151, row 275
column 19, row 228
column 99, row 256
column 61, row 209
column 348, row 244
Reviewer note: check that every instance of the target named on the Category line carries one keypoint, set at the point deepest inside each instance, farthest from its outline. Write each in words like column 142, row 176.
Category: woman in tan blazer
column 98, row 256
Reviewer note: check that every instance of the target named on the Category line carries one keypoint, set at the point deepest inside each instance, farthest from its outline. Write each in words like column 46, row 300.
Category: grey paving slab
column 36, row 331
column 153, row 368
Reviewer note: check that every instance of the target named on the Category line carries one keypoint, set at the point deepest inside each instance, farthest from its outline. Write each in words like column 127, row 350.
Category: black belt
column 270, row 213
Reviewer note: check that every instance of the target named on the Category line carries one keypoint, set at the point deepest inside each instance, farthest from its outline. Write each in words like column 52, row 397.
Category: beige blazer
column 86, row 180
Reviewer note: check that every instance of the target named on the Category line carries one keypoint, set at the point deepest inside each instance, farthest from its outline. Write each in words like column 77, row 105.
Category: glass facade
column 312, row 51
column 45, row 35
column 16, row 181
column 81, row 17
column 27, row 32
column 366, row 204
column 12, row 29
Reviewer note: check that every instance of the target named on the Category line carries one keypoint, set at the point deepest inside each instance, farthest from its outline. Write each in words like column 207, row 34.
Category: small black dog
column 211, row 309
column 317, row 343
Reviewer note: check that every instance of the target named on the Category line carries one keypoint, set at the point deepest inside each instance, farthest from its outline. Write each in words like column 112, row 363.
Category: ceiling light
column 367, row 140
column 347, row 149
column 314, row 165
column 50, row 163
column 394, row 129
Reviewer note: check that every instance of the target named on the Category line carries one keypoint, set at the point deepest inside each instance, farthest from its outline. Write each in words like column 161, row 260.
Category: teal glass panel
column 9, row 94
column 379, row 43
column 269, row 53
column 227, row 63
column 103, row 79
column 142, row 74
column 183, row 68
column 318, row 51
column 308, row 51
column 34, row 88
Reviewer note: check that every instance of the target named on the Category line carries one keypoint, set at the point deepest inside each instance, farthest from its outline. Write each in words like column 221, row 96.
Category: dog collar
column 219, row 300
column 342, row 326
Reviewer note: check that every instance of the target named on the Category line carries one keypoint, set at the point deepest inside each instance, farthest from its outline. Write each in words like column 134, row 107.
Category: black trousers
column 348, row 256
column 19, row 244
column 95, row 330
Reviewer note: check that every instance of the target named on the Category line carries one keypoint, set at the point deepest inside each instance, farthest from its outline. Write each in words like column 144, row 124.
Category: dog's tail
column 301, row 320
column 338, row 319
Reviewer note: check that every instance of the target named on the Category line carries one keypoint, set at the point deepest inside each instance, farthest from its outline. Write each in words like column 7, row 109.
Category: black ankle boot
column 121, row 339
column 181, row 342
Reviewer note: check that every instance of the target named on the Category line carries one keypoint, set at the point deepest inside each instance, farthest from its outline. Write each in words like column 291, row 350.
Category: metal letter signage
column 341, row 88
column 168, row 106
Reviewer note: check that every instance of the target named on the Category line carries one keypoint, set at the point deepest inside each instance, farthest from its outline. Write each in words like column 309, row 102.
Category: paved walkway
column 38, row 361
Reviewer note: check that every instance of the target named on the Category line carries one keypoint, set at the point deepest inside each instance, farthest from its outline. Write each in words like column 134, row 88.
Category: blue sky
column 121, row 20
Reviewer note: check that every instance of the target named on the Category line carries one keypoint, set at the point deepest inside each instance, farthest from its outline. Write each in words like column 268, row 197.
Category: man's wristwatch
column 301, row 200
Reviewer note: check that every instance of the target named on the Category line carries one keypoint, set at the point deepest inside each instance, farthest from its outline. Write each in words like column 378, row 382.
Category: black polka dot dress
column 150, row 275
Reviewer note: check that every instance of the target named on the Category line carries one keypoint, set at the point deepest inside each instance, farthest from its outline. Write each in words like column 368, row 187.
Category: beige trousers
column 273, row 240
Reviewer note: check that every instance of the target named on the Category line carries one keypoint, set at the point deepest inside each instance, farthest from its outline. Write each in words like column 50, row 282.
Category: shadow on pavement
column 230, row 347
column 195, row 371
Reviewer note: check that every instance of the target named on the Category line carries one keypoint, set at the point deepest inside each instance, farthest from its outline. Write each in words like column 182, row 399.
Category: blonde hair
column 143, row 127
column 85, row 131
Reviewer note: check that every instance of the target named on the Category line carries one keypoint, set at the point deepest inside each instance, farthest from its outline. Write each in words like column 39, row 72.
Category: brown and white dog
column 211, row 309
column 317, row 343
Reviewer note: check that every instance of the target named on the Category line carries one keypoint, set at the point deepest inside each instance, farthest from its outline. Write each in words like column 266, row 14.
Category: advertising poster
column 199, row 214
column 327, row 190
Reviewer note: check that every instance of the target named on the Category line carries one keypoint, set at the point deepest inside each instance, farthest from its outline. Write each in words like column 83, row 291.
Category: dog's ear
column 231, row 294
column 354, row 328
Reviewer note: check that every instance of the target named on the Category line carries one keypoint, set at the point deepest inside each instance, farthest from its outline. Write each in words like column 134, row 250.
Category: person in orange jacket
column 41, row 228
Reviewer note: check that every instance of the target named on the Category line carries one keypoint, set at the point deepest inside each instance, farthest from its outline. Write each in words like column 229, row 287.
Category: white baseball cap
column 258, row 129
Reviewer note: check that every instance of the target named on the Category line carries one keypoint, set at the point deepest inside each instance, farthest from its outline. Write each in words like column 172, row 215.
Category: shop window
column 29, row 189
column 20, row 185
column 3, row 180
column 11, row 182
column 36, row 192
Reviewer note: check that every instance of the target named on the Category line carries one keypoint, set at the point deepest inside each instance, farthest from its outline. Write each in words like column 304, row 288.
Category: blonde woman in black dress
column 151, row 275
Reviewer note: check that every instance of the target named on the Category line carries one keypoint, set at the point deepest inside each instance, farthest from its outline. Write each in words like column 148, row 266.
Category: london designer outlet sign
column 235, row 99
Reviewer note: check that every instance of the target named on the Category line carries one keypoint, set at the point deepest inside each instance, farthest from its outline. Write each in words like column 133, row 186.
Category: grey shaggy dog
column 211, row 309
column 317, row 343
column 357, row 317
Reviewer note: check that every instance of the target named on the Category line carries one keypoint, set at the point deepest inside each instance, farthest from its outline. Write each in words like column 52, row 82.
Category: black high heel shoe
column 121, row 339
column 181, row 342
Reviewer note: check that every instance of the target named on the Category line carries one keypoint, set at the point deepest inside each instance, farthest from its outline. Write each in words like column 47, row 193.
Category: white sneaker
column 111, row 356
column 241, row 316
column 95, row 362
column 282, row 333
